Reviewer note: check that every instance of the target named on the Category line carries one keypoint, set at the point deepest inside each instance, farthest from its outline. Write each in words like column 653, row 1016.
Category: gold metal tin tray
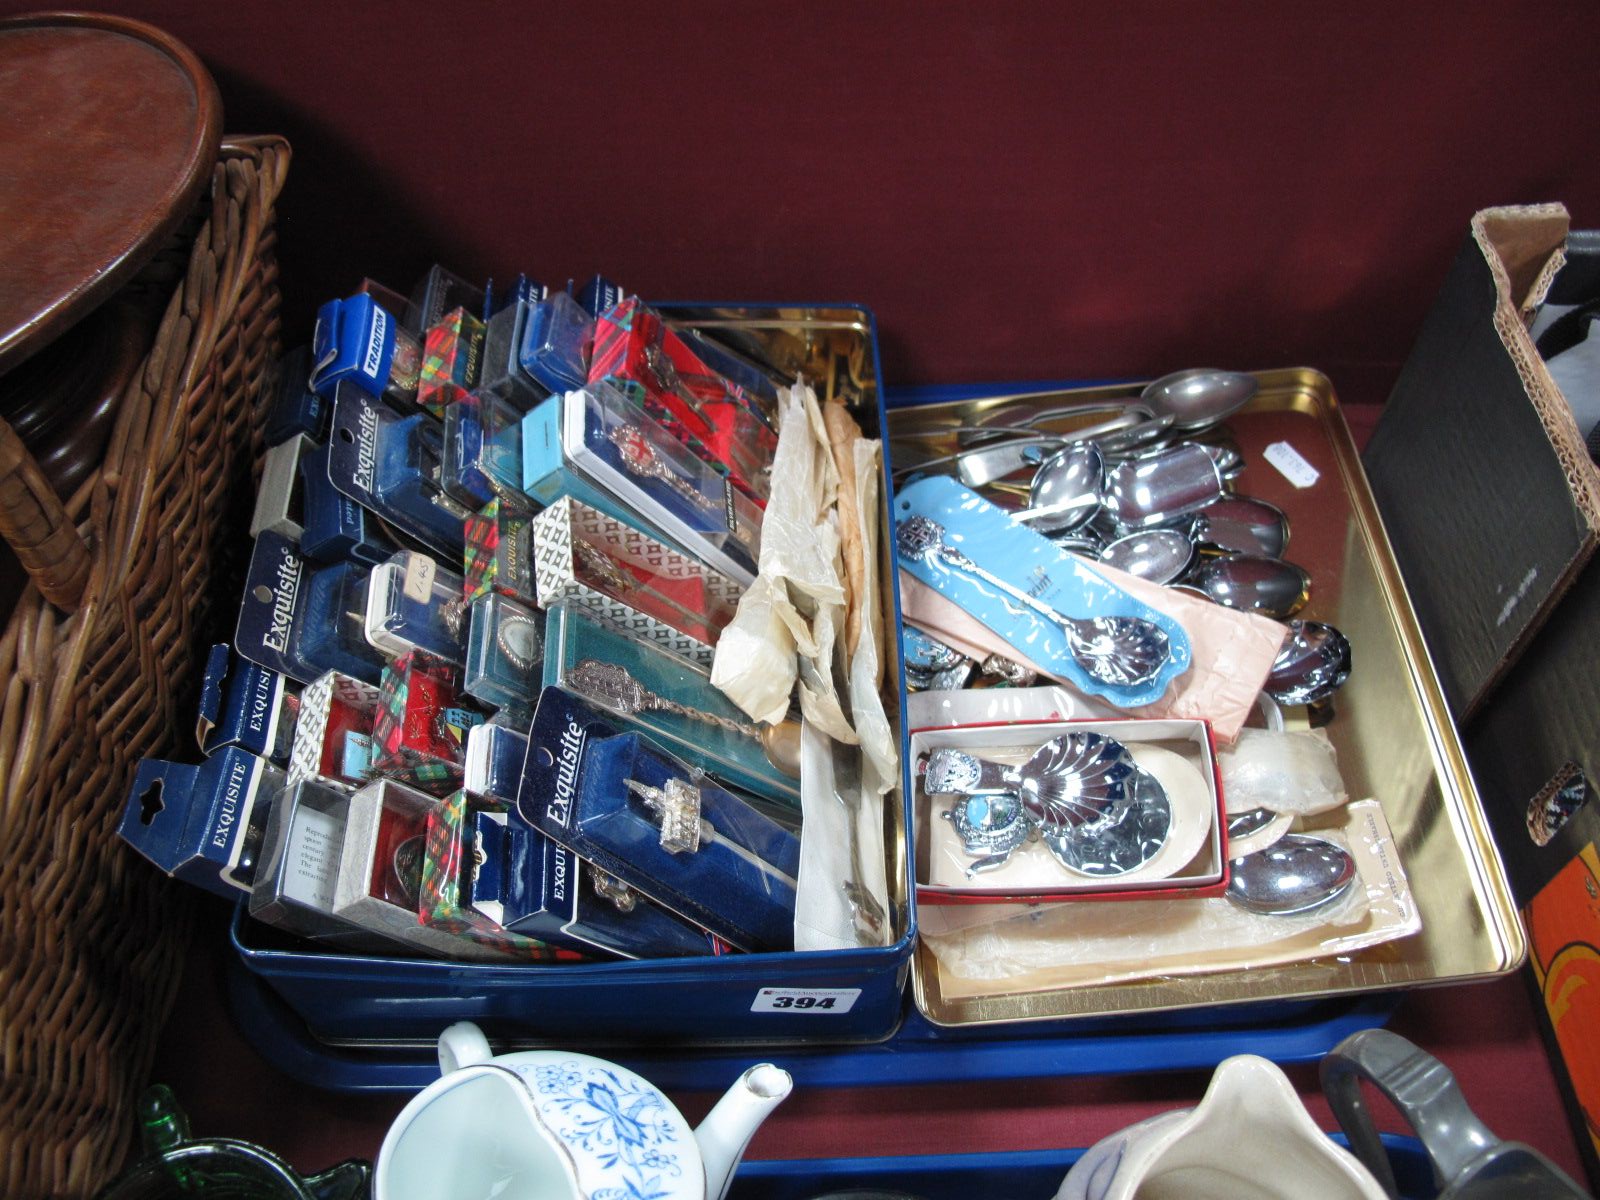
column 1394, row 737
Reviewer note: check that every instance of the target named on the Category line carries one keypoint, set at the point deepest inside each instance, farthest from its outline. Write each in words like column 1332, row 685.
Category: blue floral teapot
column 554, row 1125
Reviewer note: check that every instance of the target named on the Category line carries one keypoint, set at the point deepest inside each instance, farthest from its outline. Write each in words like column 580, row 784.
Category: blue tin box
column 837, row 997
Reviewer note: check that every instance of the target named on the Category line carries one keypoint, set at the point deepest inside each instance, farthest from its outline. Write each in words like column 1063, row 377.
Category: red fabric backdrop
column 1026, row 190
column 1021, row 190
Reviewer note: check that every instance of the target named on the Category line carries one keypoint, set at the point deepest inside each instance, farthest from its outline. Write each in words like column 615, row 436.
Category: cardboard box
column 1477, row 464
column 1493, row 507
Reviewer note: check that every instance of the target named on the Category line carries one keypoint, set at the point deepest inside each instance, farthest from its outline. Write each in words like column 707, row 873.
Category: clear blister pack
column 1013, row 948
column 1045, row 603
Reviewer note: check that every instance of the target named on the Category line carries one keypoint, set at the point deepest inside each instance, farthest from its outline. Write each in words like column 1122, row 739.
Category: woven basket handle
column 36, row 525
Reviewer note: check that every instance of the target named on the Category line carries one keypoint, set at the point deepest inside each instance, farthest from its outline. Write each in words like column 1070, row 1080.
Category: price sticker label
column 1291, row 464
column 805, row 1000
column 418, row 582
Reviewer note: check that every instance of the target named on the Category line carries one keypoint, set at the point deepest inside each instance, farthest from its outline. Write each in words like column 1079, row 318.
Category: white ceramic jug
column 1250, row 1138
column 553, row 1125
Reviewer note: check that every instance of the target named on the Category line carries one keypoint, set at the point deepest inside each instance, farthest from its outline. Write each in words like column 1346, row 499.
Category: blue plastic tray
column 1301, row 1031
column 1014, row 1175
column 342, row 997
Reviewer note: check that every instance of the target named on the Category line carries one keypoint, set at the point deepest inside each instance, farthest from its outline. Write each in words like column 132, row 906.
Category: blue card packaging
column 358, row 341
column 660, row 827
column 482, row 450
column 335, row 526
column 599, row 294
column 531, row 884
column 555, row 343
column 502, row 372
column 203, row 824
column 301, row 619
column 245, row 705
column 297, row 408
column 390, row 465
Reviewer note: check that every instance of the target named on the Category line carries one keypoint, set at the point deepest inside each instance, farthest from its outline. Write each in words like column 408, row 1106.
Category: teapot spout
column 730, row 1125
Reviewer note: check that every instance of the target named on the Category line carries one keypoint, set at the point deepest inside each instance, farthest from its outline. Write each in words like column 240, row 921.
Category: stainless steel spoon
column 1116, row 651
column 1296, row 874
column 1159, row 555
column 1153, row 489
column 1250, row 821
column 1066, row 489
column 1312, row 664
column 1250, row 583
column 1188, row 400
column 1199, row 398
column 1243, row 525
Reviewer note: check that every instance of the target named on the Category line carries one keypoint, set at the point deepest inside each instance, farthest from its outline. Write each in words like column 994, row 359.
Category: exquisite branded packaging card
column 499, row 555
column 203, row 824
column 391, row 465
column 453, row 860
column 452, row 352
column 245, row 705
column 302, row 619
column 658, row 826
column 335, row 527
column 502, row 373
column 483, row 450
column 556, row 343
column 606, row 565
column 297, row 408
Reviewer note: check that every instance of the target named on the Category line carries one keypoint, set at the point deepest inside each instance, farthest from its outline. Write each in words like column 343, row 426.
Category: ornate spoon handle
column 640, row 457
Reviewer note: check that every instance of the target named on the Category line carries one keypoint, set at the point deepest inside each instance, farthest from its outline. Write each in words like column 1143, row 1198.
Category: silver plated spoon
column 1115, row 651
column 1313, row 663
column 1250, row 583
column 1066, row 489
column 1159, row 555
column 1199, row 398
column 1296, row 874
column 1243, row 525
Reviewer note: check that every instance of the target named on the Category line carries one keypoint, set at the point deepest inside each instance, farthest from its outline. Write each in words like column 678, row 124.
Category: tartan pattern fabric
column 439, row 899
column 636, row 352
column 452, row 353
column 420, row 725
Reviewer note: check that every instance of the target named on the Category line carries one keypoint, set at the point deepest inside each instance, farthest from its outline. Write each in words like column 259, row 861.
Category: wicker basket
column 90, row 936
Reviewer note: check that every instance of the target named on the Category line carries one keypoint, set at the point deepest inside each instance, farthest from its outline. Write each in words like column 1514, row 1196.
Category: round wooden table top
column 108, row 132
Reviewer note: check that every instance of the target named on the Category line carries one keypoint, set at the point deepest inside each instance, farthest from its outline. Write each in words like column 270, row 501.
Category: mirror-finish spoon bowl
column 1296, row 874
column 1313, row 663
column 1250, row 583
column 1199, row 398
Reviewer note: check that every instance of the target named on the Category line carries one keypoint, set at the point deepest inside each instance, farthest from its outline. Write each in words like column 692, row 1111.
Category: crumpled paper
column 789, row 619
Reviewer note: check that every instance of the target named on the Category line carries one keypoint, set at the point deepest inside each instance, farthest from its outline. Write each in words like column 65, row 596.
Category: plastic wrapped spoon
column 1296, row 874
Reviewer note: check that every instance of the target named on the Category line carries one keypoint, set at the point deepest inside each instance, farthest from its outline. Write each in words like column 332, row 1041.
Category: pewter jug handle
column 1465, row 1153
